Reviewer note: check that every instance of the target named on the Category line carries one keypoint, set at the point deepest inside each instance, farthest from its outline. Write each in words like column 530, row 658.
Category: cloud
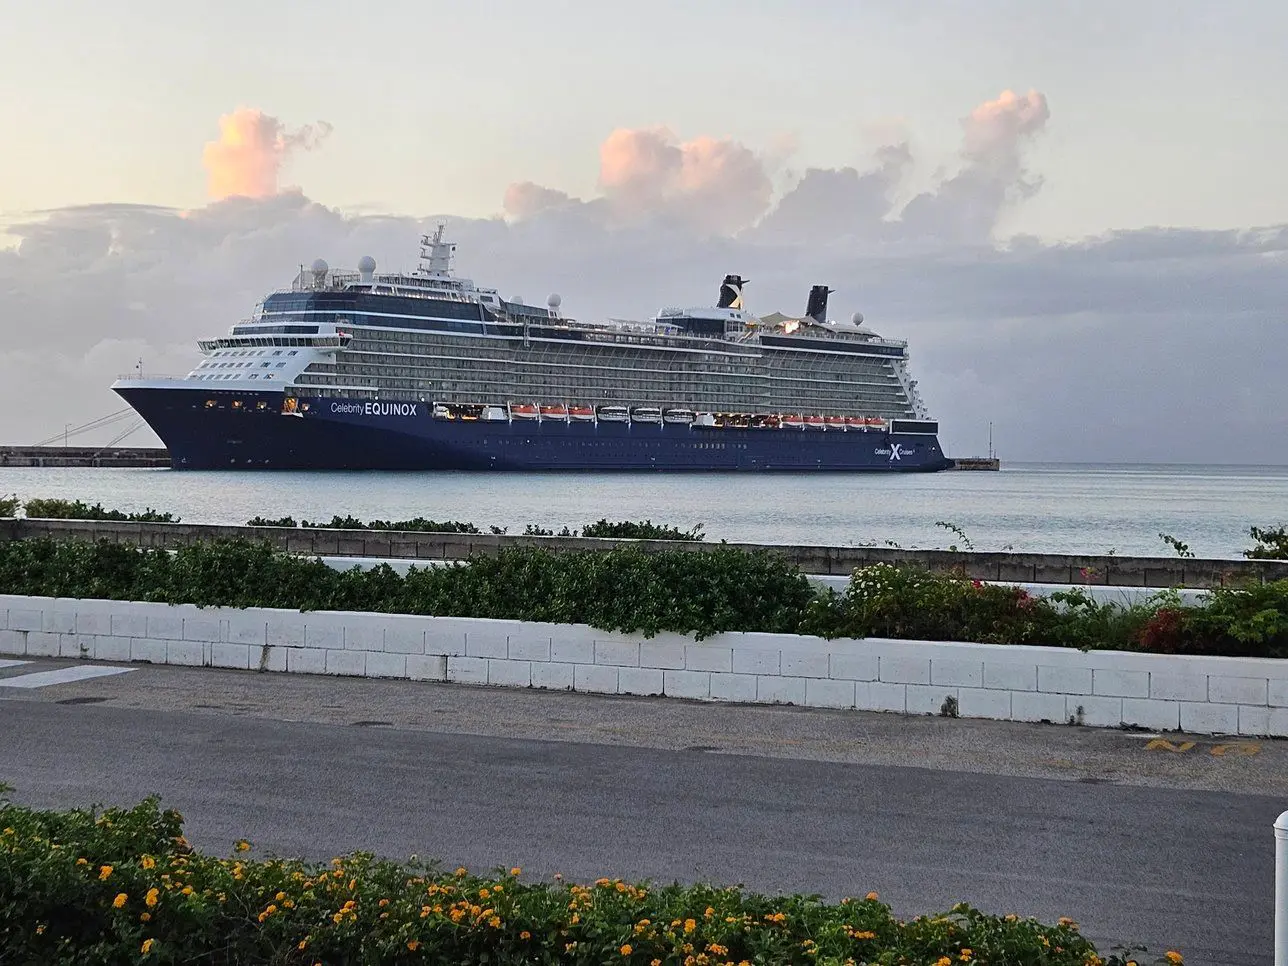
column 966, row 206
column 713, row 186
column 647, row 177
column 839, row 203
column 524, row 199
column 252, row 147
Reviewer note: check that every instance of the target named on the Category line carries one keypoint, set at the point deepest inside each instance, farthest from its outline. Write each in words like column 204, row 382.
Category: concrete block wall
column 1244, row 696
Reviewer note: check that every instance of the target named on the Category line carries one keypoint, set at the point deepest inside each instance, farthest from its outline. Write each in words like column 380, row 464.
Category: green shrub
column 9, row 506
column 55, row 509
column 624, row 589
column 419, row 525
column 124, row 887
column 266, row 522
column 1272, row 543
column 647, row 530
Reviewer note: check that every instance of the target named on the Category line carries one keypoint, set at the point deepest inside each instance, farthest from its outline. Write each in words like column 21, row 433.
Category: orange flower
column 147, row 946
column 120, row 900
column 104, row 872
column 626, row 950
column 413, row 944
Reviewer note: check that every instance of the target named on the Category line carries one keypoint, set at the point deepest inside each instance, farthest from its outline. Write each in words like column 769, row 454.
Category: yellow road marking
column 1162, row 744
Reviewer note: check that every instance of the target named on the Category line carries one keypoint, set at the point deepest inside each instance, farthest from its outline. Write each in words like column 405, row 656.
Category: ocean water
column 1041, row 508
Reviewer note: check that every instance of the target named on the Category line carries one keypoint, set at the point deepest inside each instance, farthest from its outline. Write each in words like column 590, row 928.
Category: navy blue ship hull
column 221, row 429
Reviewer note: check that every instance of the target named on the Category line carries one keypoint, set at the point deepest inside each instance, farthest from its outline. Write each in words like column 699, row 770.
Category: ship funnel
column 731, row 292
column 816, row 307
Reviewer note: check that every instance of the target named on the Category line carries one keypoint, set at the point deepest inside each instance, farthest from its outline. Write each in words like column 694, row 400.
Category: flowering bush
column 123, row 886
column 884, row 600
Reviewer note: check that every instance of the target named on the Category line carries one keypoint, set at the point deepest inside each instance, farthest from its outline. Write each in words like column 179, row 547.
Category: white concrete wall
column 1247, row 696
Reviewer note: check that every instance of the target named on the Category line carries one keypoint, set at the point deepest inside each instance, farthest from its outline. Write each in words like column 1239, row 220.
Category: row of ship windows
column 539, row 354
column 555, row 390
column 633, row 443
column 230, row 353
column 240, row 365
column 580, row 375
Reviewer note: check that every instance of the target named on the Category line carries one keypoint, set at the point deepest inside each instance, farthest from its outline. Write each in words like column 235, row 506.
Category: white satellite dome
column 366, row 264
column 857, row 318
column 517, row 300
column 554, row 301
column 319, row 266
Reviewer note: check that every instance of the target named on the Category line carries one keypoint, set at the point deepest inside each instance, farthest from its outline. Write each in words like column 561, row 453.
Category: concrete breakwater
column 821, row 560
column 119, row 456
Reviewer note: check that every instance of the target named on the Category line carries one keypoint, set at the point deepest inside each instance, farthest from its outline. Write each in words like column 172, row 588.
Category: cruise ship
column 424, row 371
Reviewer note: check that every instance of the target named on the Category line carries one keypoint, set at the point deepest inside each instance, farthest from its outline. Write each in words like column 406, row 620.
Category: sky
column 1074, row 212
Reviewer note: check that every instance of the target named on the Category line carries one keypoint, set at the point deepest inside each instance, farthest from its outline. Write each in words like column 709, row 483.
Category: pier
column 977, row 463
column 122, row 456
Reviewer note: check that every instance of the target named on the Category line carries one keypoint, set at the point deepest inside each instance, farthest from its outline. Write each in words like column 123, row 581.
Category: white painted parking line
column 5, row 662
column 62, row 675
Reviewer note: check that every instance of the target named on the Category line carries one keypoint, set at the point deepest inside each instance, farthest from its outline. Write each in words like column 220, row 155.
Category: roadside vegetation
column 630, row 590
column 77, row 510
column 124, row 886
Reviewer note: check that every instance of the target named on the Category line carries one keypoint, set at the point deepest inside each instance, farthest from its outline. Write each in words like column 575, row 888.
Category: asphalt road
column 1170, row 848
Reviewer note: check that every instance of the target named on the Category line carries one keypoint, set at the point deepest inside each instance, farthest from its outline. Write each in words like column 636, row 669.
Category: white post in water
column 1281, row 890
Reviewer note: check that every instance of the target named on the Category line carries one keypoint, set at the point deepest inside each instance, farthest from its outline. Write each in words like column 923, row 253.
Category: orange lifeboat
column 876, row 422
column 856, row 422
column 835, row 422
column 523, row 411
column 814, row 422
column 793, row 421
column 554, row 412
column 582, row 414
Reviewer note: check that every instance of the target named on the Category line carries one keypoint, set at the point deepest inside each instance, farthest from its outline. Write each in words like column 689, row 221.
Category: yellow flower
column 148, row 862
column 872, row 897
column 626, row 950
column 280, row 896
column 82, row 861
column 147, row 946
column 966, row 954
column 460, row 872
column 525, row 935
column 1174, row 957
column 242, row 845
column 151, row 898
column 187, row 890
column 104, row 872
column 943, row 961
column 413, row 944
column 302, row 944
column 145, row 917
column 120, row 900
column 515, row 871
column 690, row 925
